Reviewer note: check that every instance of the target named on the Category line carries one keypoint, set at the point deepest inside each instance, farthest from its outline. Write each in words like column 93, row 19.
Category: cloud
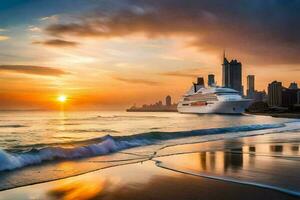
column 179, row 74
column 57, row 43
column 34, row 29
column 3, row 37
column 135, row 81
column 51, row 18
column 257, row 31
column 77, row 29
column 36, row 70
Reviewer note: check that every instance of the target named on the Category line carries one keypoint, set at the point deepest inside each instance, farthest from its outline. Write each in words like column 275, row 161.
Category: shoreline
column 222, row 166
column 151, row 110
column 277, row 115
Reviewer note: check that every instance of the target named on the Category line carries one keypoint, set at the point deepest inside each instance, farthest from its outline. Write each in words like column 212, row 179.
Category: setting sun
column 62, row 98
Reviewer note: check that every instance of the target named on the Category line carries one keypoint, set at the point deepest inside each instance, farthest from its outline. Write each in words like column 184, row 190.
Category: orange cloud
column 36, row 70
column 180, row 74
column 136, row 81
column 57, row 43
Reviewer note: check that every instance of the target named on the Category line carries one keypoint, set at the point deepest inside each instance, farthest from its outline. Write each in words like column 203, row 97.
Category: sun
column 62, row 98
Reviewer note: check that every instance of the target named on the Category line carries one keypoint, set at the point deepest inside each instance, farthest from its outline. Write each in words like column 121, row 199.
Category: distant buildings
column 289, row 96
column 156, row 107
column 275, row 94
column 200, row 81
column 250, row 86
column 159, row 103
column 168, row 100
column 259, row 96
column 279, row 96
column 199, row 84
column 211, row 80
column 232, row 74
column 253, row 94
column 293, row 86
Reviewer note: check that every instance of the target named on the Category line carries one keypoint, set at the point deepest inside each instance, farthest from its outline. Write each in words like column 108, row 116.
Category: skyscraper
column 275, row 94
column 200, row 81
column 168, row 100
column 289, row 97
column 293, row 86
column 259, row 96
column 232, row 74
column 250, row 86
column 211, row 80
column 199, row 84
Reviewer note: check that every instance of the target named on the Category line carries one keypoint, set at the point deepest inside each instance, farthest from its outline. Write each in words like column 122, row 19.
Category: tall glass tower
column 232, row 74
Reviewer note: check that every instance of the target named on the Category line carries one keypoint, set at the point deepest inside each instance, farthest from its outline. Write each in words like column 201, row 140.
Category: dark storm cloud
column 57, row 43
column 29, row 69
column 257, row 31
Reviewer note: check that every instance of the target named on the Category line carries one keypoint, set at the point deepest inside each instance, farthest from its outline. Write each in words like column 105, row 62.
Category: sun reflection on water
column 83, row 189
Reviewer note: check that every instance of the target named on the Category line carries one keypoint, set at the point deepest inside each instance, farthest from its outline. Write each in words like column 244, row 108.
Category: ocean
column 34, row 142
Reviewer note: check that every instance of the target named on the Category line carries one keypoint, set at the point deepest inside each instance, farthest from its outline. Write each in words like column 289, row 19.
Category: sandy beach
column 241, row 168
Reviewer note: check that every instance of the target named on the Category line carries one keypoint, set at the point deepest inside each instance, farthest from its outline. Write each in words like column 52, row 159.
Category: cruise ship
column 214, row 99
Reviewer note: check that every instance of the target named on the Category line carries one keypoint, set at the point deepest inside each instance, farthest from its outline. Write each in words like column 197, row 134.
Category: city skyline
column 86, row 51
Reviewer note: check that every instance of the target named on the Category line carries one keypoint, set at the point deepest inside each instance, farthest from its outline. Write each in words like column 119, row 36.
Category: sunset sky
column 111, row 54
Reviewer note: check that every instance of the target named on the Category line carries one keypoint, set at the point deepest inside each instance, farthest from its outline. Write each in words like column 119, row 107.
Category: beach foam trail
column 109, row 144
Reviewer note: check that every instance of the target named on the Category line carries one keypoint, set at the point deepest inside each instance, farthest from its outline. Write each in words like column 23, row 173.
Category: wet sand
column 259, row 167
column 140, row 181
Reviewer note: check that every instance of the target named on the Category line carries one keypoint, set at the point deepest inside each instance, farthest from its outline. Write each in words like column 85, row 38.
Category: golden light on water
column 62, row 98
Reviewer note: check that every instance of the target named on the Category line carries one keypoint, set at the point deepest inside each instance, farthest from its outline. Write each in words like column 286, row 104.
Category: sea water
column 37, row 138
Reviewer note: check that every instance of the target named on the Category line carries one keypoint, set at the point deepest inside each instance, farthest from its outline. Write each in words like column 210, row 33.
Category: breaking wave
column 109, row 144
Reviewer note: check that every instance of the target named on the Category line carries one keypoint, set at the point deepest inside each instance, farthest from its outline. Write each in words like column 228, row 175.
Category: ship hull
column 218, row 107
